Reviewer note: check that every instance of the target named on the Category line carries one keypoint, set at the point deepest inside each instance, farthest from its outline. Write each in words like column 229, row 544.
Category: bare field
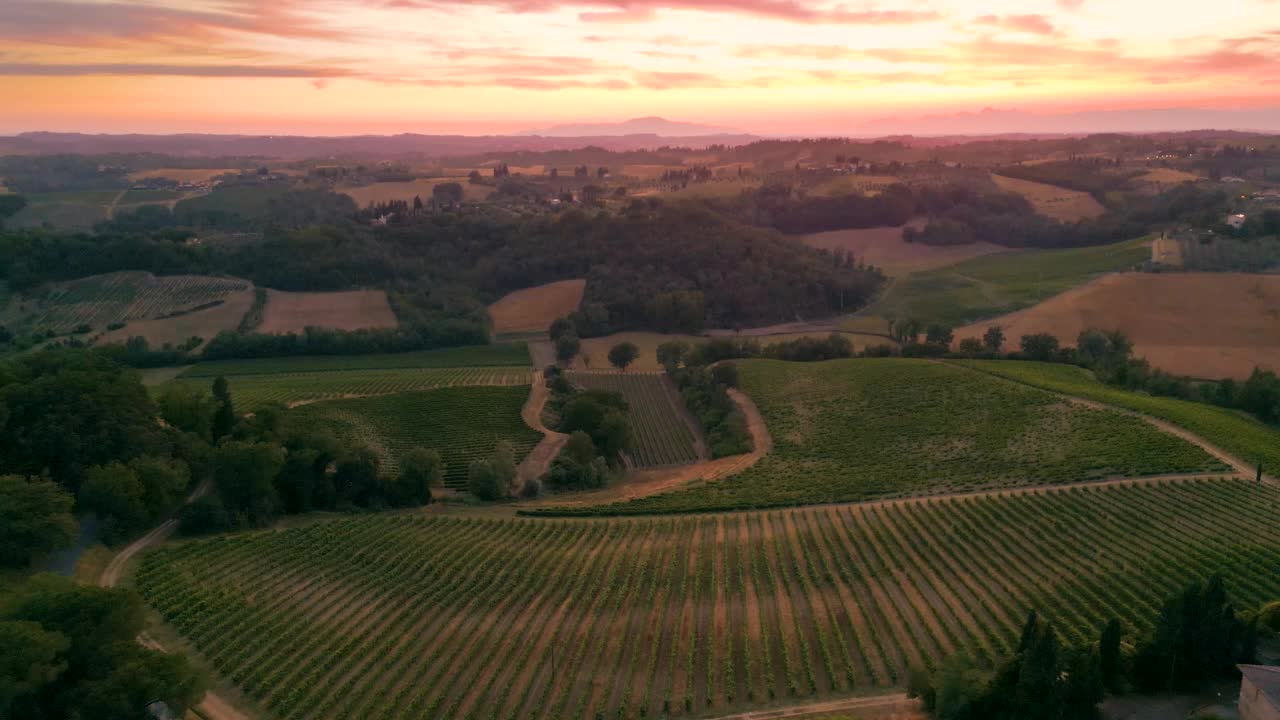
column 1056, row 202
column 534, row 309
column 1206, row 325
column 176, row 330
column 595, row 351
column 354, row 310
column 366, row 195
column 885, row 248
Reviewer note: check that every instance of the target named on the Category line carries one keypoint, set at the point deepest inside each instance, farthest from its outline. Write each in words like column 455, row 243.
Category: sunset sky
column 496, row 66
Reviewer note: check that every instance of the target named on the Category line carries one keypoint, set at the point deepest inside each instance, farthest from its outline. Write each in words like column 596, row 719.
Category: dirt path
column 879, row 706
column 111, row 209
column 211, row 707
column 539, row 459
column 650, row 482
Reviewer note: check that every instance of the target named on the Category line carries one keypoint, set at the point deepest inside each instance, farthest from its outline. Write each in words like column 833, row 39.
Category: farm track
column 883, row 707
column 535, row 465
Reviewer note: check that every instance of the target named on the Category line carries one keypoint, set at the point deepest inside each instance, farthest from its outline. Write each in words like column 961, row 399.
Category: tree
column 1109, row 655
column 29, row 661
column 35, row 519
column 559, row 328
column 244, row 474
column 578, row 467
column 188, row 409
column 114, row 493
column 163, row 481
column 567, row 347
column 939, row 334
column 993, row 339
column 970, row 347
column 1041, row 346
column 671, row 354
column 449, row 193
column 420, row 471
column 623, row 354
column 224, row 417
column 492, row 478
column 725, row 374
column 613, row 437
column 591, row 194
column 203, row 516
column 356, row 477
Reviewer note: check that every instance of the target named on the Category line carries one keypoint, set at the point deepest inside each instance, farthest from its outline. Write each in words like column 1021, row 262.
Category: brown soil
column 884, row 248
column 176, row 330
column 1056, row 202
column 354, row 310
column 879, row 707
column 537, row 462
column 1206, row 325
column 534, row 309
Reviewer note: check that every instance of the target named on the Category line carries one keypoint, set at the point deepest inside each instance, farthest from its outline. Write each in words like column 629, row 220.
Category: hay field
column 1207, row 325
column 175, row 330
column 595, row 351
column 1056, row 202
column 534, row 309
column 884, row 248
column 850, row 184
column 184, row 175
column 1168, row 176
column 353, row 310
column 366, row 195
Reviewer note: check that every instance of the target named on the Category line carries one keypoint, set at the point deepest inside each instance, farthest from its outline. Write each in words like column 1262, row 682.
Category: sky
column 330, row 67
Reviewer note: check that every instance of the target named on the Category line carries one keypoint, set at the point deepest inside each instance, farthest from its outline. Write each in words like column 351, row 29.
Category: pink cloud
column 645, row 10
column 1034, row 24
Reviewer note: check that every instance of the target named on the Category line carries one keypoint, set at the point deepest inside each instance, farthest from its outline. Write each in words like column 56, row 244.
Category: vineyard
column 408, row 616
column 853, row 430
column 660, row 434
column 254, row 391
column 464, row 424
column 1237, row 434
column 504, row 355
column 122, row 297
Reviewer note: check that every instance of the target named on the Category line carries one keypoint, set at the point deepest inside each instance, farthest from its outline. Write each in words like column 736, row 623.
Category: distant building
column 1236, row 221
column 1233, row 179
column 1259, row 692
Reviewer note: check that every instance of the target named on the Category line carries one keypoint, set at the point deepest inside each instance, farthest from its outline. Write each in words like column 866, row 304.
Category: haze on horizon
column 788, row 67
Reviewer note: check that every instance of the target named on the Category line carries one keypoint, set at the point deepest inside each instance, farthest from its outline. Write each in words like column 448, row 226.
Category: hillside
column 1205, row 325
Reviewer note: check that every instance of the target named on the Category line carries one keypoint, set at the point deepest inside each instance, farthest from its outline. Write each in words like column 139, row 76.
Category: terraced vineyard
column 1238, row 434
column 124, row 296
column 661, row 436
column 254, row 391
column 464, row 617
column 851, row 430
column 464, row 424
column 503, row 355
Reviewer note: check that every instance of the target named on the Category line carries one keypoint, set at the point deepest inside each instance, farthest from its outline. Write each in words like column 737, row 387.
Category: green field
column 255, row 391
column 136, row 197
column 505, row 355
column 994, row 285
column 660, row 434
column 850, row 430
column 464, row 424
column 100, row 300
column 1230, row 430
column 411, row 616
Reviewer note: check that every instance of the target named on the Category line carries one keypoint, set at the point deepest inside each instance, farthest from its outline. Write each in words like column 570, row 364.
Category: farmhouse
column 1259, row 692
column 1236, row 221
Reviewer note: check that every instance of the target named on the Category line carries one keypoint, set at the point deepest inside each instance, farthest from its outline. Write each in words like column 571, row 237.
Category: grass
column 463, row 423
column 994, row 285
column 134, row 197
column 251, row 392
column 439, row 616
column 1235, row 433
column 595, row 351
column 660, row 435
column 850, row 430
column 504, row 355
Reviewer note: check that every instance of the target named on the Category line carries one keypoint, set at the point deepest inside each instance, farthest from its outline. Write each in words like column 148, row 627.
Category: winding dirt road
column 538, row 460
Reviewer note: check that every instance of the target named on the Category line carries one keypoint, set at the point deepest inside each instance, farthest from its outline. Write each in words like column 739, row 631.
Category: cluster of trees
column 1198, row 638
column 318, row 341
column 1093, row 175
column 599, row 433
column 704, row 375
column 10, row 205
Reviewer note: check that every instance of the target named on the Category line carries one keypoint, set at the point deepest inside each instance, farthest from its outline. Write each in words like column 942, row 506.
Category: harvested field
column 1206, row 325
column 849, row 430
column 1056, row 202
column 366, row 195
column 1168, row 176
column 385, row 616
column 176, row 330
column 534, row 309
column 355, row 310
column 885, row 249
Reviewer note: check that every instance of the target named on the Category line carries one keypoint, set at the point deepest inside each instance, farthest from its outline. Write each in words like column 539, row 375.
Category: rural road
column 539, row 459
column 879, row 706
column 211, row 707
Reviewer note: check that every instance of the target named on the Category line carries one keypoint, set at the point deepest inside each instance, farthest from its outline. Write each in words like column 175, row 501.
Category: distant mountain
column 991, row 121
column 636, row 126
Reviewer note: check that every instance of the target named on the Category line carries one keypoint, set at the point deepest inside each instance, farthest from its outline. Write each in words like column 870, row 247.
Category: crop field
column 1205, row 325
column 534, row 309
column 884, row 248
column 1168, row 176
column 366, row 195
column 352, row 310
column 184, row 175
column 177, row 329
column 63, row 210
column 140, row 197
column 463, row 423
column 660, row 434
column 1227, row 254
column 1235, row 433
column 411, row 616
column 501, row 355
column 985, row 287
column 100, row 300
column 1056, row 202
column 298, row 388
column 850, row 430
column 854, row 184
